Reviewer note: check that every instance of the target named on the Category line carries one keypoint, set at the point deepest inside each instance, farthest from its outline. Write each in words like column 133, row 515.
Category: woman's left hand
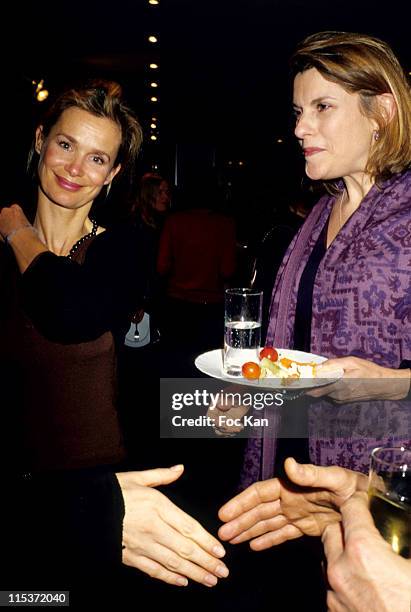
column 363, row 380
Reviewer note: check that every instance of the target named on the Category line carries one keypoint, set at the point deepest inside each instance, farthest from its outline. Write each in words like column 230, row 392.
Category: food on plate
column 282, row 367
column 268, row 352
column 251, row 370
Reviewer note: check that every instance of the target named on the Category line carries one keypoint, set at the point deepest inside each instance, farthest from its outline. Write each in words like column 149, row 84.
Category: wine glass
column 389, row 491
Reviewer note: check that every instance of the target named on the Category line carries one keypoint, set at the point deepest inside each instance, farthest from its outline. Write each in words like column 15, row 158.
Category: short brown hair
column 365, row 65
column 103, row 99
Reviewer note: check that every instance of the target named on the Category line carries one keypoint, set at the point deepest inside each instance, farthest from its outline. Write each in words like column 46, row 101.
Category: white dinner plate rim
column 215, row 356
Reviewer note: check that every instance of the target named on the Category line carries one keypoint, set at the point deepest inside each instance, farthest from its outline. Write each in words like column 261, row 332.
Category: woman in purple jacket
column 343, row 289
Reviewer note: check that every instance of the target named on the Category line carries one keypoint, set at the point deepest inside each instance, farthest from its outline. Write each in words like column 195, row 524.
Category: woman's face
column 162, row 202
column 77, row 157
column 335, row 136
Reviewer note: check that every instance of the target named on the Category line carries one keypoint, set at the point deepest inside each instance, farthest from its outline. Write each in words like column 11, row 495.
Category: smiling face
column 77, row 157
column 335, row 136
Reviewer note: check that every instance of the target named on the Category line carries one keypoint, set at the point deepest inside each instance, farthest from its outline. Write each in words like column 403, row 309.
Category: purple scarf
column 362, row 291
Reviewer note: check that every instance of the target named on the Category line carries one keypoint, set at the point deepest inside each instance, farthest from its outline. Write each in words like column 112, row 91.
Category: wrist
column 402, row 383
column 9, row 237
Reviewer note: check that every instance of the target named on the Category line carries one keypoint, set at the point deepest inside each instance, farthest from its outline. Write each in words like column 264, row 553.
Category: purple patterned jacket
column 361, row 302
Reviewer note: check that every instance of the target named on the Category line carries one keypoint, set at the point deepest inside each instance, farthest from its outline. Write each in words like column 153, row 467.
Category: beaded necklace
column 79, row 242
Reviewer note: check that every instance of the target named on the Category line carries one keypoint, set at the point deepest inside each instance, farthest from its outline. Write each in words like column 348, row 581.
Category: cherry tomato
column 251, row 369
column 269, row 353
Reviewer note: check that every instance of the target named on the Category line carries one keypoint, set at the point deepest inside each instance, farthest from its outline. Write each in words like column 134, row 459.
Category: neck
column 60, row 228
column 356, row 188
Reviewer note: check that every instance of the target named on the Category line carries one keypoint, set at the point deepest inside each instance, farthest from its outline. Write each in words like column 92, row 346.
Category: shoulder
column 115, row 243
column 398, row 187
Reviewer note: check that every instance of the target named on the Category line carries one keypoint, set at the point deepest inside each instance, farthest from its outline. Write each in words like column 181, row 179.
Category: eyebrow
column 316, row 101
column 74, row 141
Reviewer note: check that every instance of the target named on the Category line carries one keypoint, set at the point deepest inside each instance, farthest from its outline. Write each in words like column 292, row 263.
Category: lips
column 68, row 185
column 308, row 151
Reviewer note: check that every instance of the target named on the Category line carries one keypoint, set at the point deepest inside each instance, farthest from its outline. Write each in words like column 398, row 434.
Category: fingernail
column 182, row 581
column 219, row 551
column 210, row 580
column 177, row 468
column 222, row 571
column 225, row 532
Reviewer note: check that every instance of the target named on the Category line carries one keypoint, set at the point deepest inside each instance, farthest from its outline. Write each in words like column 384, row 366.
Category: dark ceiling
column 223, row 63
column 224, row 88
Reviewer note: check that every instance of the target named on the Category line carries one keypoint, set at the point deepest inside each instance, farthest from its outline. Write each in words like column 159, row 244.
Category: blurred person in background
column 197, row 258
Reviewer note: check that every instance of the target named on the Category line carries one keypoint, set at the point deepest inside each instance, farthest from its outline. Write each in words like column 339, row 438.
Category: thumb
column 158, row 476
column 303, row 474
column 337, row 480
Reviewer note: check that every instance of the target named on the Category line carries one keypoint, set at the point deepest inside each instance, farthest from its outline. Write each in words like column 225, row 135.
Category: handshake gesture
column 363, row 571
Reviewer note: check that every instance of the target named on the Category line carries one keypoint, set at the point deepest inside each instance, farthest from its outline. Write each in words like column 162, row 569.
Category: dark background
column 224, row 92
column 224, row 103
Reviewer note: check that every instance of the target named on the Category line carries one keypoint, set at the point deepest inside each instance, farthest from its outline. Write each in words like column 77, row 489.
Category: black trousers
column 61, row 531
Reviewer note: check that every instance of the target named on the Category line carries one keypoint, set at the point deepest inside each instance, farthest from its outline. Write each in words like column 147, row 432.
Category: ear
column 113, row 172
column 387, row 106
column 39, row 139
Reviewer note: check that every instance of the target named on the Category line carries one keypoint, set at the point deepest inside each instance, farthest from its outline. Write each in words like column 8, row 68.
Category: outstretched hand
column 272, row 511
column 162, row 540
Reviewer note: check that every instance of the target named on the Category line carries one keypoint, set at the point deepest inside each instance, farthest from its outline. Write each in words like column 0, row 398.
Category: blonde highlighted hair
column 367, row 66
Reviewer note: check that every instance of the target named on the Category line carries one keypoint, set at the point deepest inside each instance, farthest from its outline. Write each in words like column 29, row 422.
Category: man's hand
column 162, row 540
column 272, row 511
column 363, row 571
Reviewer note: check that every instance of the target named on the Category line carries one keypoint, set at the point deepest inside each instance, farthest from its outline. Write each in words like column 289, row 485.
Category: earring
column 108, row 189
column 376, row 135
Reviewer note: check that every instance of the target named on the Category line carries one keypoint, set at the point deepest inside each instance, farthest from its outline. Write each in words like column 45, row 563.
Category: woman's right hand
column 12, row 218
column 162, row 540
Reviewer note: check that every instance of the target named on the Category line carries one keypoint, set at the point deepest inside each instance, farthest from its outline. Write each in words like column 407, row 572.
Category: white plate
column 211, row 363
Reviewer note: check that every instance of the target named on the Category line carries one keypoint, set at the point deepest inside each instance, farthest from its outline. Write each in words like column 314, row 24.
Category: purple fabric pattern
column 361, row 297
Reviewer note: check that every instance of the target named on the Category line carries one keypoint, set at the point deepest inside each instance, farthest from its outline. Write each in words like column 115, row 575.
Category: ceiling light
column 42, row 95
column 152, row 39
column 153, row 66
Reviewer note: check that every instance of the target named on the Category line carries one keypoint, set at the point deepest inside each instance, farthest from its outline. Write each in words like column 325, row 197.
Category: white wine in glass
column 389, row 494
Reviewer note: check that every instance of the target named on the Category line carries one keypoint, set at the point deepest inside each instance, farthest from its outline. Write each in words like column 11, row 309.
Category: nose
column 74, row 167
column 304, row 126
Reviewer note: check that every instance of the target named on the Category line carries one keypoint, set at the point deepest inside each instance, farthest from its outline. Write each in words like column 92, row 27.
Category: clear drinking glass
column 242, row 328
column 389, row 492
